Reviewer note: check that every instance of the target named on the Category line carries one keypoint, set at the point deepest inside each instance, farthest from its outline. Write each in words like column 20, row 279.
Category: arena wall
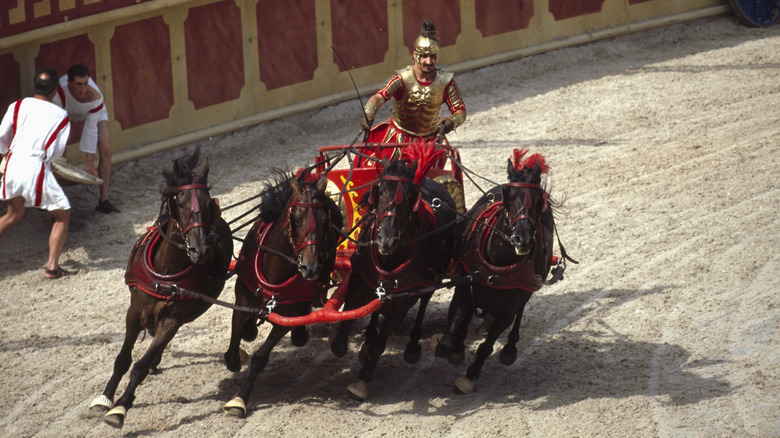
column 177, row 71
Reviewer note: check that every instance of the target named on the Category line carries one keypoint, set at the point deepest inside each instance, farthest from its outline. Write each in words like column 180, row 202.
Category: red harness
column 141, row 274
column 295, row 288
column 518, row 275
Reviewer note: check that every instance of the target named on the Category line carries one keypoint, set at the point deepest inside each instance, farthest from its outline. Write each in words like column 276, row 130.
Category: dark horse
column 404, row 249
column 506, row 245
column 185, row 254
column 286, row 260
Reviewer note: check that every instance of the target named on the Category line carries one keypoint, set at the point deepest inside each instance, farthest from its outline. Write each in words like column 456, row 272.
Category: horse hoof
column 243, row 356
column 249, row 333
column 434, row 342
column 116, row 417
column 456, row 358
column 339, row 349
column 359, row 390
column 507, row 358
column 100, row 405
column 299, row 336
column 235, row 407
column 464, row 385
column 411, row 356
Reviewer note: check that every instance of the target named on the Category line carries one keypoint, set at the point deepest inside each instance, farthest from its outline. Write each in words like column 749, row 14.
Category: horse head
column 191, row 207
column 395, row 199
column 524, row 200
column 309, row 219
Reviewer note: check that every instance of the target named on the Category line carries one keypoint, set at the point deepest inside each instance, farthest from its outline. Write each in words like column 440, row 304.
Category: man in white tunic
column 33, row 133
column 80, row 96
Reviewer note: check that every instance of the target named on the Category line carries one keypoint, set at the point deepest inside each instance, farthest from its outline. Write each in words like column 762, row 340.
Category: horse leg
column 102, row 403
column 165, row 332
column 465, row 384
column 237, row 406
column 299, row 335
column 390, row 323
column 339, row 342
column 242, row 327
column 508, row 354
column 370, row 334
column 154, row 368
column 413, row 351
column 452, row 344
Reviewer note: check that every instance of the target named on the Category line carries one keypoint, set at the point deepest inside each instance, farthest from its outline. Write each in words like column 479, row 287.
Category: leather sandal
column 57, row 273
column 106, row 207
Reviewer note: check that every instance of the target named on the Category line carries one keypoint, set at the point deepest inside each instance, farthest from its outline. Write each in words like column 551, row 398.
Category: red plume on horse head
column 427, row 154
column 530, row 162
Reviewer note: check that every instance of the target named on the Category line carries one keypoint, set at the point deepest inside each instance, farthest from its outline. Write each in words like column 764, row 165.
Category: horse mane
column 182, row 173
column 277, row 192
column 426, row 154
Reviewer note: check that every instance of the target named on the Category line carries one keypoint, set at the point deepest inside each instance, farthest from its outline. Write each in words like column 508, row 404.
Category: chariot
column 346, row 185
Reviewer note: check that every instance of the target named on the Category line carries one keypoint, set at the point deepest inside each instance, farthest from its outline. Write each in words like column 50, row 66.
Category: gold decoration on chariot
column 333, row 191
column 454, row 189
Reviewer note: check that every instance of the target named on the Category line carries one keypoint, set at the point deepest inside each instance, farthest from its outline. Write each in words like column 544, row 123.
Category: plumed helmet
column 427, row 43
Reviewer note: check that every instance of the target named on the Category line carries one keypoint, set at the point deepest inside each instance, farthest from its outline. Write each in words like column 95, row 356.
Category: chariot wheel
column 756, row 13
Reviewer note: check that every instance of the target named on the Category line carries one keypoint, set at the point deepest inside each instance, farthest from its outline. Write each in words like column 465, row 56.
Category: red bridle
column 397, row 199
column 194, row 206
column 527, row 201
column 311, row 223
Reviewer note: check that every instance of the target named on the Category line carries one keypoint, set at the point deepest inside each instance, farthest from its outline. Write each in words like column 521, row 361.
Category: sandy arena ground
column 664, row 146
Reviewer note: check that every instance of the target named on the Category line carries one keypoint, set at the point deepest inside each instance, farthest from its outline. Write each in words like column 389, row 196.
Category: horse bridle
column 194, row 209
column 194, row 206
column 311, row 225
column 397, row 199
column 527, row 202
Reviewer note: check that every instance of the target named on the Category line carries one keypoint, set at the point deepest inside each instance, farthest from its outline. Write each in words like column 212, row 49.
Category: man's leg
column 13, row 215
column 104, row 168
column 104, row 165
column 59, row 232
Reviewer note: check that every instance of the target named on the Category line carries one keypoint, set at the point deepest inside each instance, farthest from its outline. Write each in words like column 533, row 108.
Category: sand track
column 664, row 146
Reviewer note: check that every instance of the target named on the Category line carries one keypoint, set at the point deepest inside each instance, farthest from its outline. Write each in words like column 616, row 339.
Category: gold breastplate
column 418, row 112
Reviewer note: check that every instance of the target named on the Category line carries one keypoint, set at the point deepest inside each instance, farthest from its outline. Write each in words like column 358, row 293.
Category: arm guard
column 458, row 119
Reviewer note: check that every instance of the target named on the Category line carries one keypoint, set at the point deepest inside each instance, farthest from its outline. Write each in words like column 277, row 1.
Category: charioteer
column 419, row 91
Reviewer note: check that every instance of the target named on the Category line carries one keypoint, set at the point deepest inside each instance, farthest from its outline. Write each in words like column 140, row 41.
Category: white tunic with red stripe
column 33, row 133
column 89, row 112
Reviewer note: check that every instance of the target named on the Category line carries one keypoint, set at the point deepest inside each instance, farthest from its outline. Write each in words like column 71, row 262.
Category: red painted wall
column 287, row 41
column 214, row 54
column 30, row 22
column 11, row 89
column 360, row 32
column 563, row 9
column 142, row 77
column 495, row 17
